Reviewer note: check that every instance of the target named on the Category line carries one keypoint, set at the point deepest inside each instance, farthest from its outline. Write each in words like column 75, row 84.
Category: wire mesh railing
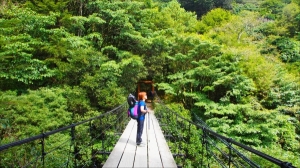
column 194, row 143
column 83, row 144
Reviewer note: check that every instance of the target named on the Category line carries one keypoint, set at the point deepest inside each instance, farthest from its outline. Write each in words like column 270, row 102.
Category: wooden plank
column 153, row 152
column 115, row 156
column 165, row 153
column 141, row 155
column 141, row 159
column 129, row 152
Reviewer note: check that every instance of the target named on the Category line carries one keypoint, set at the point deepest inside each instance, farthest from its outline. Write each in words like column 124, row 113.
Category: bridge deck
column 155, row 152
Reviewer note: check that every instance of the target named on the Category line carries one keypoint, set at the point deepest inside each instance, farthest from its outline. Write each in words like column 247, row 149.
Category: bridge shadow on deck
column 153, row 153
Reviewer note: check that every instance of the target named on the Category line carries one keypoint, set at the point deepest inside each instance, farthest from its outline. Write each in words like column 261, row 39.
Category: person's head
column 142, row 95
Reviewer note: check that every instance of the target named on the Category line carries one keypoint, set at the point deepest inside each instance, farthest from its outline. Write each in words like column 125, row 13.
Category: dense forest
column 234, row 63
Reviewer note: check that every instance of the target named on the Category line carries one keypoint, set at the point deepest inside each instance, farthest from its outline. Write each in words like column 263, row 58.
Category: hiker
column 142, row 110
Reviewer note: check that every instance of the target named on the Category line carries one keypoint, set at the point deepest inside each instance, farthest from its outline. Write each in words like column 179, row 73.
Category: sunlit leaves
column 238, row 31
column 173, row 16
column 167, row 88
column 47, row 6
column 284, row 93
column 36, row 111
column 133, row 70
column 246, row 125
column 261, row 73
column 214, row 18
column 77, row 24
column 94, row 22
column 102, row 48
column 18, row 44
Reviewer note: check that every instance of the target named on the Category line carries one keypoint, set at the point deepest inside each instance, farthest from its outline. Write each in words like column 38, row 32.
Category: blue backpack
column 133, row 111
column 133, row 107
column 131, row 100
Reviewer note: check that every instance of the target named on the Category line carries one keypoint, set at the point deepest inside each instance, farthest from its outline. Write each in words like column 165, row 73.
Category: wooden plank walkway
column 155, row 152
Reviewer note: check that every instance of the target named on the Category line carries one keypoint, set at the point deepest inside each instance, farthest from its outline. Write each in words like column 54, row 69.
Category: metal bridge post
column 230, row 151
column 117, row 126
column 203, row 142
column 74, row 144
column 102, row 137
column 92, row 149
column 90, row 127
column 189, row 131
column 179, row 136
column 43, row 149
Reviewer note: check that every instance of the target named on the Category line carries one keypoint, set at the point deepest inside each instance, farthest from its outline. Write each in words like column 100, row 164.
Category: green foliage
column 185, row 137
column 217, row 77
column 34, row 112
column 226, row 91
column 19, row 31
column 133, row 70
column 67, row 60
column 276, row 151
column 260, row 71
column 100, row 85
column 290, row 18
column 284, row 93
column 177, row 18
column 47, row 6
column 241, row 6
column 258, row 128
column 203, row 7
column 214, row 18
column 239, row 31
column 78, row 102
column 192, row 49
column 271, row 9
column 289, row 49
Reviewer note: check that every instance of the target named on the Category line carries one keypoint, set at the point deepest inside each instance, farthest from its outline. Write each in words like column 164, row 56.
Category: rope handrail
column 198, row 123
column 227, row 144
column 93, row 136
column 206, row 129
column 23, row 141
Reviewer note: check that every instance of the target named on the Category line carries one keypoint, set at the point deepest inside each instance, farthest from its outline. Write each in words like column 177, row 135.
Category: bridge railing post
column 230, row 151
column 202, row 150
column 92, row 148
column 43, row 149
column 204, row 146
column 102, row 138
column 74, row 144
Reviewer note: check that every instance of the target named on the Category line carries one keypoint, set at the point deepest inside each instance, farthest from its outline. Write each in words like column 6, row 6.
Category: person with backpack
column 142, row 110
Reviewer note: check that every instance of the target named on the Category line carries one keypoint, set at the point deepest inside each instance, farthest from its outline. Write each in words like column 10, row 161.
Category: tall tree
column 22, row 33
column 47, row 6
column 271, row 9
column 291, row 18
column 201, row 7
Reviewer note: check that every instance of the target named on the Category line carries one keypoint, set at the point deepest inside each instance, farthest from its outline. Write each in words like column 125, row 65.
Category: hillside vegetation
column 234, row 63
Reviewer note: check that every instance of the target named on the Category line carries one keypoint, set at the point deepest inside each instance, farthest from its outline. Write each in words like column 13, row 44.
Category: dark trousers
column 140, row 128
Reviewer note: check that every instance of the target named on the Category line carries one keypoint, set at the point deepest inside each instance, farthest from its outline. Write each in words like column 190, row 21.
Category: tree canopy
column 233, row 63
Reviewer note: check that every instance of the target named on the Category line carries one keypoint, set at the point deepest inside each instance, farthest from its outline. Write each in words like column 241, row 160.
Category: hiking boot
column 141, row 145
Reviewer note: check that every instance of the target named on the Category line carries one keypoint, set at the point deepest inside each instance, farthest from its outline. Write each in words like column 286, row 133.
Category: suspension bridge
column 108, row 140
column 154, row 152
